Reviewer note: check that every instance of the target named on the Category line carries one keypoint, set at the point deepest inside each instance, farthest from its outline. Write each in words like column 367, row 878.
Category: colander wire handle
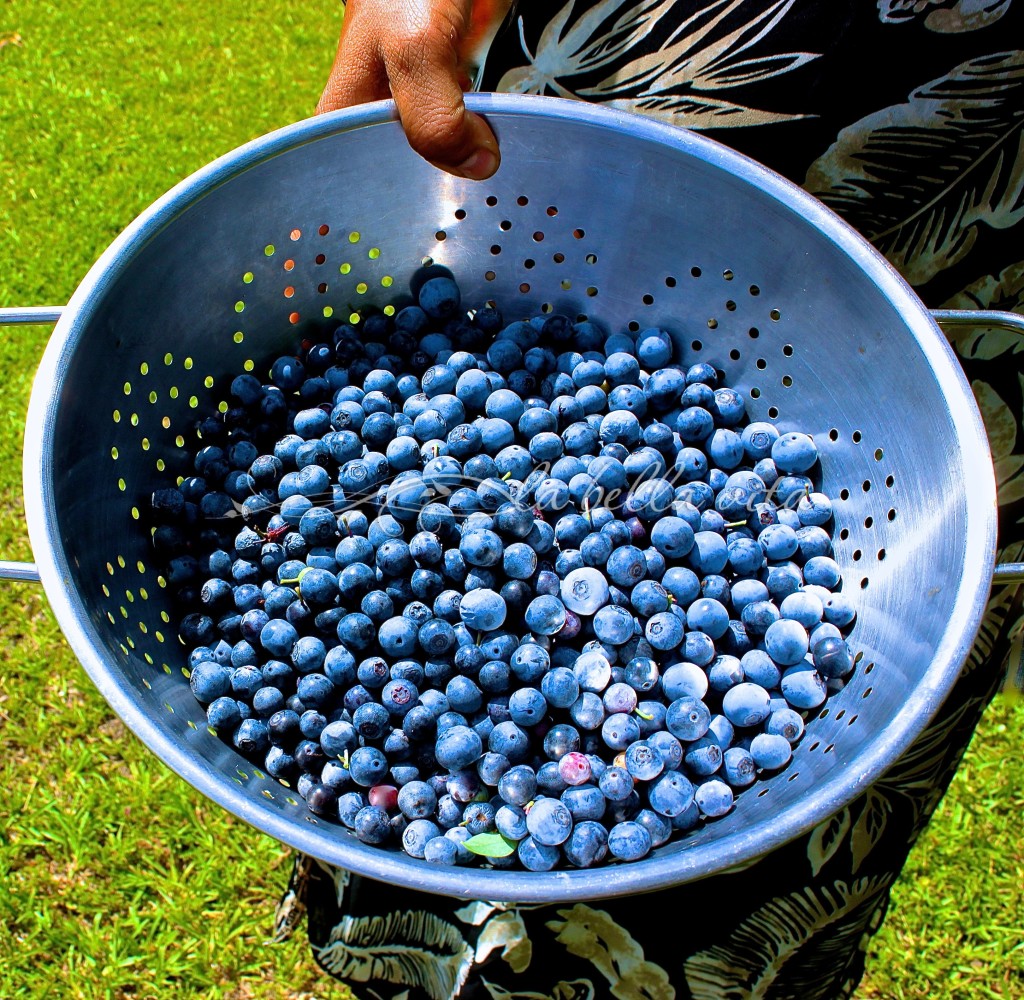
column 29, row 315
column 25, row 316
column 22, row 571
column 1006, row 574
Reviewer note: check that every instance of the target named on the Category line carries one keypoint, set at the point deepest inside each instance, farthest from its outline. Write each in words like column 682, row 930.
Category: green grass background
column 120, row 881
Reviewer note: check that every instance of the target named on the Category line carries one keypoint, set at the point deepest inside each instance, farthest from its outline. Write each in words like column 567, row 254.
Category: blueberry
column 746, row 704
column 560, row 687
column 759, row 616
column 697, row 648
column 537, row 857
column 549, row 822
column 643, row 761
column 770, row 752
column 616, row 784
column 458, row 747
column 463, row 695
column 794, row 452
column 802, row 607
column 530, row 663
column 519, row 561
column 725, row 448
column 670, row 794
column 223, row 715
column 738, row 767
column 592, row 671
column 587, row 711
column 709, row 553
column 803, row 687
column 759, row 668
column 482, row 610
column 682, row 680
column 688, row 718
column 758, row 438
column 527, row 706
column 724, row 673
column 683, row 584
column 584, row 591
column 367, row 766
column 587, row 845
column 814, row 509
column 278, row 638
column 714, row 798
column 561, row 739
column 620, row 730
column 787, row 723
column 267, row 701
column 252, row 736
column 614, row 625
column 545, row 615
column 210, row 681
column 628, row 841
column 823, row 571
column 439, row 298
column 786, row 642
column 708, row 616
column 371, row 824
column 664, row 631
column 441, row 851
column 838, row 610
column 744, row 592
column 832, row 657
column 673, row 537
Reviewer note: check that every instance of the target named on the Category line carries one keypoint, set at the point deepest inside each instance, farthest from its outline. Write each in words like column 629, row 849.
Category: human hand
column 411, row 50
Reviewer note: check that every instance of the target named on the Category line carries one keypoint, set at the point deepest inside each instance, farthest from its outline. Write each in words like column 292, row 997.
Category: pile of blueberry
column 520, row 593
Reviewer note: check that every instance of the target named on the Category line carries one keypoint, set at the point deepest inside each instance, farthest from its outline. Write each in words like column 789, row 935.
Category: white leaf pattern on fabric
column 477, row 912
column 413, row 948
column 1003, row 291
column 783, row 949
column 918, row 179
column 339, row 876
column 712, row 50
column 1001, row 427
column 594, row 935
column 577, row 989
column 508, row 932
column 944, row 16
column 869, row 828
column 826, row 838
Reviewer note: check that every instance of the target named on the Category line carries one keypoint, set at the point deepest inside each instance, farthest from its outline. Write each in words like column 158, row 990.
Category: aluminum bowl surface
column 592, row 212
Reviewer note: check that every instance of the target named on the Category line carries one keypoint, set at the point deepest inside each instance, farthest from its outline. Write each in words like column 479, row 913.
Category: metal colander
column 592, row 213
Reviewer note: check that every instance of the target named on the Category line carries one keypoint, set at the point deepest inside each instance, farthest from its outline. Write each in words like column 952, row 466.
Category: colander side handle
column 1006, row 574
column 25, row 316
column 22, row 571
column 958, row 319
column 29, row 315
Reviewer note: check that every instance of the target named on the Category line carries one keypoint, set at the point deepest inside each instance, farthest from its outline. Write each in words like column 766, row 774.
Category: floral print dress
column 907, row 118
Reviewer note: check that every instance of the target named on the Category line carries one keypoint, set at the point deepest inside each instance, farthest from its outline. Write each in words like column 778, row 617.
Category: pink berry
column 384, row 797
column 574, row 768
column 572, row 625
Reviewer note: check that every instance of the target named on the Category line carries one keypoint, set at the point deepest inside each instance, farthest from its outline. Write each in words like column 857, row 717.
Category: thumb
column 425, row 83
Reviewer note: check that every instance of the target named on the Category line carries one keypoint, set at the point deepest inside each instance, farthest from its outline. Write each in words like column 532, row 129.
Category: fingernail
column 479, row 166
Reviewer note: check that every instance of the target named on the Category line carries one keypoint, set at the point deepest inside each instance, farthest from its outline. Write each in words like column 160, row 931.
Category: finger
column 358, row 74
column 423, row 71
